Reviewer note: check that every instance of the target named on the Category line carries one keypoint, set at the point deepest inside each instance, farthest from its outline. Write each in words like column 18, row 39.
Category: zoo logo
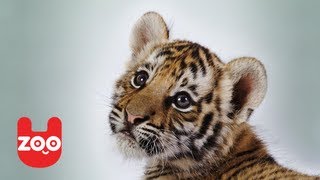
column 42, row 148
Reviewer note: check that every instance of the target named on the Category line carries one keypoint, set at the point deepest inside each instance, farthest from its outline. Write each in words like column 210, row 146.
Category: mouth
column 45, row 152
column 127, row 132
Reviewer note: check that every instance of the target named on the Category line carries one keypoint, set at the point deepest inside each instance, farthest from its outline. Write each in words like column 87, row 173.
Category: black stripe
column 149, row 130
column 184, row 82
column 208, row 97
column 180, row 123
column 168, row 32
column 195, row 55
column 205, row 125
column 118, row 108
column 173, row 73
column 251, row 159
column 195, row 153
column 180, row 47
column 183, row 64
column 199, row 106
column 243, row 153
column 263, row 176
column 250, row 165
column 115, row 96
column 239, row 155
column 167, row 102
column 166, row 66
column 258, row 172
column 165, row 53
column 218, row 75
column 211, row 141
column 148, row 65
column 113, row 127
column 158, row 168
column 249, row 111
column 208, row 56
column 113, row 119
column 157, row 127
column 180, row 57
column 138, row 121
column 203, row 67
column 218, row 104
column 231, row 115
column 192, row 119
column 161, row 174
column 193, row 69
column 180, row 75
column 114, row 113
column 193, row 89
column 145, row 133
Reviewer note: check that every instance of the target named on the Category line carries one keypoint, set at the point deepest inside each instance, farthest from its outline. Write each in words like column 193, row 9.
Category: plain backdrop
column 61, row 58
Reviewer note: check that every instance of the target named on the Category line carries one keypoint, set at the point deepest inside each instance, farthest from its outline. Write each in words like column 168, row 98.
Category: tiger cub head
column 177, row 99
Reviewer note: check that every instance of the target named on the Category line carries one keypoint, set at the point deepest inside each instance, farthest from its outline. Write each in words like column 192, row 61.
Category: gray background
column 60, row 58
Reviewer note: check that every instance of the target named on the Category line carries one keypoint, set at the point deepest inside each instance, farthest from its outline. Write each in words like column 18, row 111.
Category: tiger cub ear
column 249, row 85
column 149, row 28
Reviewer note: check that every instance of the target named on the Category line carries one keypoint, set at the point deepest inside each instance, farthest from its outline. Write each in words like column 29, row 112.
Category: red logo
column 39, row 149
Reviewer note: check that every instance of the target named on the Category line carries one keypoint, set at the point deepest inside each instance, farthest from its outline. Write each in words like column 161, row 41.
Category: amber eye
column 140, row 79
column 182, row 100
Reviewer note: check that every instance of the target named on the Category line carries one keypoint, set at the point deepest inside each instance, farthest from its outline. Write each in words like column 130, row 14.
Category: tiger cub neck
column 246, row 147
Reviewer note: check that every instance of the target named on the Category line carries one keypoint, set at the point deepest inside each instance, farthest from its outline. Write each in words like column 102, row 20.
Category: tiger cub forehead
column 179, row 66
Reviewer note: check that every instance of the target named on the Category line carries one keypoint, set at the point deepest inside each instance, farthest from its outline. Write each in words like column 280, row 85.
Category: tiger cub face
column 177, row 99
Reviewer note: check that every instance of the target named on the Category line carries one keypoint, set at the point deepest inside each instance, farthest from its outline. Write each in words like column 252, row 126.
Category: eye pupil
column 183, row 99
column 140, row 78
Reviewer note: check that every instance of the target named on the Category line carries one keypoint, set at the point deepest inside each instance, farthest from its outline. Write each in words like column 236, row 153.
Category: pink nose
column 132, row 118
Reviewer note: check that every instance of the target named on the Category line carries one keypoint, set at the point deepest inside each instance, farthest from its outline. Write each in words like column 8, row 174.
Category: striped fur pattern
column 201, row 134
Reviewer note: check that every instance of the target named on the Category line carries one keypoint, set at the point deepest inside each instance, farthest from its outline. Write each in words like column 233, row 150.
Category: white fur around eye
column 132, row 82
column 182, row 110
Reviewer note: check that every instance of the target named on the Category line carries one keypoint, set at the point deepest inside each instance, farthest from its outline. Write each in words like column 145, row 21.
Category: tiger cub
column 186, row 111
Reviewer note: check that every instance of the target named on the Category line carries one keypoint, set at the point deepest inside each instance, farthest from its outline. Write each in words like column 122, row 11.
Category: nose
column 136, row 119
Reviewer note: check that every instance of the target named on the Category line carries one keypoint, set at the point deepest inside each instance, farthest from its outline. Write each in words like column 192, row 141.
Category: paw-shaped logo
column 39, row 149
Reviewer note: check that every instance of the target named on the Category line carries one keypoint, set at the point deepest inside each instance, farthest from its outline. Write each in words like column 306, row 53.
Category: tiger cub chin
column 186, row 111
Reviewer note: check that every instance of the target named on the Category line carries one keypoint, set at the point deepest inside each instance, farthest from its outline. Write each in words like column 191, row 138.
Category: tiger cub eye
column 182, row 100
column 140, row 78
